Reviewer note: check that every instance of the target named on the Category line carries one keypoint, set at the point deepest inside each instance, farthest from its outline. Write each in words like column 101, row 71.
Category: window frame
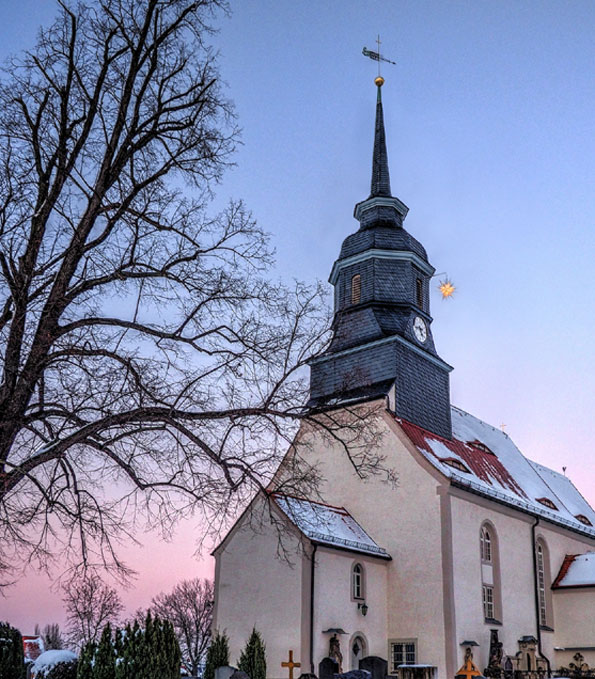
column 360, row 575
column 403, row 643
column 543, row 583
column 489, row 563
column 485, row 545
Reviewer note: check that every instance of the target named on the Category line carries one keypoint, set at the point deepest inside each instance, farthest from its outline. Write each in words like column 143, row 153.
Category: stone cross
column 291, row 664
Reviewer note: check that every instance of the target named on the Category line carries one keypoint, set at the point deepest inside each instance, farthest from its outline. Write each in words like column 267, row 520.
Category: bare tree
column 90, row 605
column 147, row 363
column 189, row 607
column 51, row 636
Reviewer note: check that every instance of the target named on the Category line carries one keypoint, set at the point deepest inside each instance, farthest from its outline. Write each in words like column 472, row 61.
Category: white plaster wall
column 334, row 606
column 516, row 572
column 575, row 609
column 405, row 521
column 567, row 625
column 516, row 569
column 245, row 597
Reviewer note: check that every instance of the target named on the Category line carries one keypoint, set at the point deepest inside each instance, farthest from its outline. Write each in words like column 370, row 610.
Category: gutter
column 536, row 591
column 312, row 571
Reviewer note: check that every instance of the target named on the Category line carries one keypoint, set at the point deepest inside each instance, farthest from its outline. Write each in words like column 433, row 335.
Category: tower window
column 356, row 289
column 419, row 292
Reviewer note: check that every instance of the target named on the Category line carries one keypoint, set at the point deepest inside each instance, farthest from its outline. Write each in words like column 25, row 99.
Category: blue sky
column 491, row 142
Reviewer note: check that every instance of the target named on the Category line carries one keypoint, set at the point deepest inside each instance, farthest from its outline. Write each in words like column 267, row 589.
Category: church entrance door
column 358, row 651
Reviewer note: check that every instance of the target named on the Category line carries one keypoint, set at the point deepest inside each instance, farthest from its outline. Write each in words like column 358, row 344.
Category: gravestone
column 238, row 674
column 327, row 668
column 378, row 667
column 224, row 672
column 354, row 674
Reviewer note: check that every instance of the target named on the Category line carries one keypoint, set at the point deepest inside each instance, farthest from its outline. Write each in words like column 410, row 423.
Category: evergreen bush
column 12, row 661
column 61, row 670
column 253, row 657
column 84, row 669
column 217, row 655
column 149, row 652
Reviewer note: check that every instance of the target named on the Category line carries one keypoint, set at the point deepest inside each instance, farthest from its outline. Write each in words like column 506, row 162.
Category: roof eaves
column 519, row 504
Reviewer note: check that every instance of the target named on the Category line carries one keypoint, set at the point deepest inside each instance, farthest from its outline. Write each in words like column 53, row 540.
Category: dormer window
column 546, row 502
column 583, row 519
column 480, row 446
column 456, row 464
column 356, row 289
column 419, row 292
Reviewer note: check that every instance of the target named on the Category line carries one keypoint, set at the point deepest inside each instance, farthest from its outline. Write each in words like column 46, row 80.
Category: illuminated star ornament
column 447, row 288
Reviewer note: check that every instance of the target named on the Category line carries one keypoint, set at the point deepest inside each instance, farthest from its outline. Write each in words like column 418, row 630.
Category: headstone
column 224, row 672
column 238, row 674
column 354, row 674
column 378, row 667
column 327, row 668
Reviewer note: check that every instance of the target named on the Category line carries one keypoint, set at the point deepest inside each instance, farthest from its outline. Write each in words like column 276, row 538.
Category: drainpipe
column 536, row 590
column 312, row 568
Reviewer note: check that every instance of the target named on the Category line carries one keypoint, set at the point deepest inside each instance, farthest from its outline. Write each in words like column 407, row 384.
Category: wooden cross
column 290, row 664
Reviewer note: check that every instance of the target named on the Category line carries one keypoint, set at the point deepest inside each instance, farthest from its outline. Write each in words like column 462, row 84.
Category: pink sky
column 491, row 140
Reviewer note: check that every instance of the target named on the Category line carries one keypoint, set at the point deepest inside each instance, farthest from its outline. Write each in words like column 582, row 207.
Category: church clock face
column 420, row 329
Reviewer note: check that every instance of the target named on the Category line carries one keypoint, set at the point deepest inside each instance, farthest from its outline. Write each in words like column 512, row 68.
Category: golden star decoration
column 446, row 288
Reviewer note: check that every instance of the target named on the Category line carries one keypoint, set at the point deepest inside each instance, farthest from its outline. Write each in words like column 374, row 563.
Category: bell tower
column 382, row 340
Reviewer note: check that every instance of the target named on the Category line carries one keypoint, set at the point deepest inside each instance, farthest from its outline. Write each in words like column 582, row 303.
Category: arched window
column 357, row 581
column 356, row 289
column 543, row 584
column 490, row 574
column 485, row 543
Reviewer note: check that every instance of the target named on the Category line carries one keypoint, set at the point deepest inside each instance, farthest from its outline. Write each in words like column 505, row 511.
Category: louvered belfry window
column 356, row 289
column 419, row 292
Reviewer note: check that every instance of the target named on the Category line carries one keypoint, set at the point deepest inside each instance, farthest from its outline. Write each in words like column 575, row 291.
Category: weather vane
column 376, row 56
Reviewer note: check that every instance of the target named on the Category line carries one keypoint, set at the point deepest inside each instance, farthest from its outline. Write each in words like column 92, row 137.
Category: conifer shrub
column 135, row 652
column 253, row 657
column 12, row 661
column 61, row 670
column 217, row 655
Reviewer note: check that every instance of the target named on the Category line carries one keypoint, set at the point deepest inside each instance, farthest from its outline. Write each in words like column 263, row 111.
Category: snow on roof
column 328, row 525
column 498, row 469
column 33, row 646
column 578, row 570
column 48, row 659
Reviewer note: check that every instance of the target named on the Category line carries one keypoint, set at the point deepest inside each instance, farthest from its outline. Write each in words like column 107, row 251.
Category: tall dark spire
column 380, row 185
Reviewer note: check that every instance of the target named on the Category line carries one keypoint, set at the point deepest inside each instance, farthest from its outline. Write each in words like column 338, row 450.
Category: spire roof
column 380, row 185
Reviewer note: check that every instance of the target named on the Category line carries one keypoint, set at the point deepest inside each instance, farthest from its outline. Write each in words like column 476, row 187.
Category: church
column 479, row 554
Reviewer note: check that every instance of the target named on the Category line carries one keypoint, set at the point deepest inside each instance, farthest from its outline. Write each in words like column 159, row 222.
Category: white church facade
column 476, row 548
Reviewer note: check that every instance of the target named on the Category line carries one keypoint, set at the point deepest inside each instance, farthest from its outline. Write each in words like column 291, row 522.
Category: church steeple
column 380, row 185
column 382, row 340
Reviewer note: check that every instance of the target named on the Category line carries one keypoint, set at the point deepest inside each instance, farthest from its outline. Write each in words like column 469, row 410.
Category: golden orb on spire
column 379, row 81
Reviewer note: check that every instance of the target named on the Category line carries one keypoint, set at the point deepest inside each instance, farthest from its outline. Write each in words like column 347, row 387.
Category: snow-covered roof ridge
column 578, row 570
column 328, row 525
column 485, row 460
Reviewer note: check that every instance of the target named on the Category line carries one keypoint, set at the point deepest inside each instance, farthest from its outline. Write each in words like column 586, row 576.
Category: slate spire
column 380, row 185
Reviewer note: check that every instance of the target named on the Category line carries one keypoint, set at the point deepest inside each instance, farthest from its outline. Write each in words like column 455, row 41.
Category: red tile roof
column 485, row 465
column 568, row 561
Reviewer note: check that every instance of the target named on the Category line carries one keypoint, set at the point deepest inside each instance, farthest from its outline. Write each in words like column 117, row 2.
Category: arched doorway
column 358, row 650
